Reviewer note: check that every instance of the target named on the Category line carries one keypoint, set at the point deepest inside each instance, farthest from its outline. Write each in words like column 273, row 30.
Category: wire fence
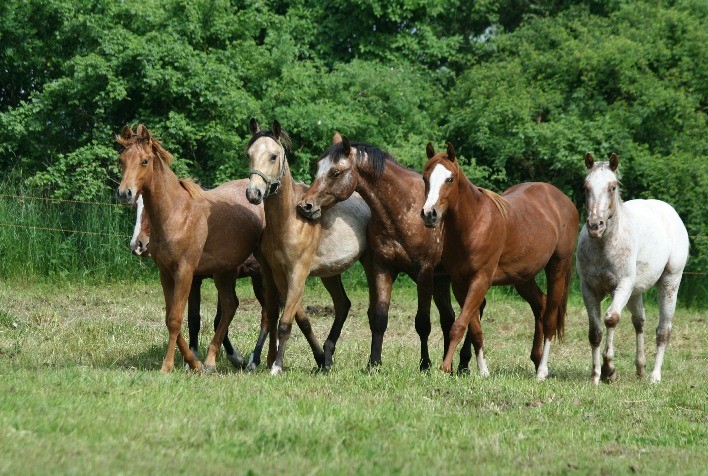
column 22, row 199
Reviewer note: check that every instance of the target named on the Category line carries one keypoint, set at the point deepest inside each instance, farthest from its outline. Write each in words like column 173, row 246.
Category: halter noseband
column 272, row 185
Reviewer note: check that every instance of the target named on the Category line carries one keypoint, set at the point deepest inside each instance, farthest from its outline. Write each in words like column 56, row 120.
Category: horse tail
column 563, row 305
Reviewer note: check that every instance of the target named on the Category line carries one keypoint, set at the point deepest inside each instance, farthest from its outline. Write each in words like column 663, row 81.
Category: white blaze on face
column 323, row 167
column 437, row 179
column 138, row 222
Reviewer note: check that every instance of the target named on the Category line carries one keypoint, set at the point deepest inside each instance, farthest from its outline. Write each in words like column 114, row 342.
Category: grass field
column 81, row 392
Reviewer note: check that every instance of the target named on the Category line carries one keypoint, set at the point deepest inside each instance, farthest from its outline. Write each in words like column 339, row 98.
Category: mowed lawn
column 81, row 392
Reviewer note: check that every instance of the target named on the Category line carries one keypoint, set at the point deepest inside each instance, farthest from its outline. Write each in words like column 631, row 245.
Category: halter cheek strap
column 272, row 185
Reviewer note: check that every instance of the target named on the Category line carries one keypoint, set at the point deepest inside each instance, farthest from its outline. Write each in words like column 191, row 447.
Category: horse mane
column 501, row 203
column 153, row 142
column 284, row 139
column 365, row 153
column 192, row 188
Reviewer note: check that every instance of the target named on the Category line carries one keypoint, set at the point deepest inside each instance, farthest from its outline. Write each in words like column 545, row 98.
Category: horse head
column 268, row 164
column 441, row 176
column 601, row 193
column 336, row 179
column 138, row 160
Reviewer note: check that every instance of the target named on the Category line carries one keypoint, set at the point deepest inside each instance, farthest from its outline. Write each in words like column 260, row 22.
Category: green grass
column 81, row 392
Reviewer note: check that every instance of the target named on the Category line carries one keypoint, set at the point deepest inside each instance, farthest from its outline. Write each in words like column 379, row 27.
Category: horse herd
column 438, row 228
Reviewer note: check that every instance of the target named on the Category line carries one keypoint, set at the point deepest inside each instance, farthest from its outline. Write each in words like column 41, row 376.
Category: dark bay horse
column 140, row 246
column 193, row 232
column 293, row 248
column 399, row 241
column 501, row 240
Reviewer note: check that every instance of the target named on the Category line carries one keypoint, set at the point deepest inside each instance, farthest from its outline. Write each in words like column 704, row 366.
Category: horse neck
column 471, row 205
column 280, row 208
column 161, row 197
column 392, row 187
column 617, row 226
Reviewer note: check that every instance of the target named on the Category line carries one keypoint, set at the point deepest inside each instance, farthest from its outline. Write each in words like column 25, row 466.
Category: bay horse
column 507, row 239
column 624, row 249
column 399, row 241
column 192, row 231
column 140, row 246
column 293, row 248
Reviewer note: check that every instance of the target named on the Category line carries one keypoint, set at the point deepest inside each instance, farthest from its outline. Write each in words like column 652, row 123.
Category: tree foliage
column 522, row 89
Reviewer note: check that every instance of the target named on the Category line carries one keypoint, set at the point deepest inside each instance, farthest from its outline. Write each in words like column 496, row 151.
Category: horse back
column 541, row 223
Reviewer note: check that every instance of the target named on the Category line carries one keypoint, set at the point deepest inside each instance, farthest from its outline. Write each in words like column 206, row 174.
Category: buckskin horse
column 293, row 248
column 500, row 240
column 399, row 241
column 624, row 249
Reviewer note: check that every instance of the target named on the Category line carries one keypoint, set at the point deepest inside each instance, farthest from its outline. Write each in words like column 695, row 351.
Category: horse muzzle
column 430, row 219
column 309, row 211
column 596, row 228
column 126, row 195
column 254, row 195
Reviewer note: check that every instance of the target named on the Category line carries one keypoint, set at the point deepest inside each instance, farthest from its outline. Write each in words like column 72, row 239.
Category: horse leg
column 272, row 307
column 379, row 302
column 254, row 360
column 422, row 315
column 619, row 300
column 668, row 291
column 466, row 349
column 194, row 319
column 472, row 298
column 232, row 354
column 228, row 302
column 533, row 295
column 592, row 304
column 636, row 307
column 441, row 296
column 342, row 304
column 295, row 286
column 558, row 274
column 176, row 290
column 304, row 324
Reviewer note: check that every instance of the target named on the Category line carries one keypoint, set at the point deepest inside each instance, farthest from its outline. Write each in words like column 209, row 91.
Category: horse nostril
column 422, row 213
column 308, row 207
column 602, row 223
column 434, row 213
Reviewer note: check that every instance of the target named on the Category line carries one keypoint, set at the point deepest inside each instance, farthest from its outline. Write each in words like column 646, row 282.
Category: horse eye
column 448, row 180
column 613, row 188
column 145, row 161
column 336, row 173
column 273, row 157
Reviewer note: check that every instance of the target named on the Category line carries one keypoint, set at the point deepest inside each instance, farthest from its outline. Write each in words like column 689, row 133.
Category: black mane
column 377, row 158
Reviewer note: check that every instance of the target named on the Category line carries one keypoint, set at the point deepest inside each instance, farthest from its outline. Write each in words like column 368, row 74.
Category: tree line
column 522, row 89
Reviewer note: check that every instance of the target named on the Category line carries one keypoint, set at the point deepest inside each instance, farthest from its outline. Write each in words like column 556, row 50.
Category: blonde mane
column 500, row 202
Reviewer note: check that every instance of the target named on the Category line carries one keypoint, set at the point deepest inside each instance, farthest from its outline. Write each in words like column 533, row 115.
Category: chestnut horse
column 140, row 246
column 193, row 231
column 501, row 240
column 624, row 249
column 293, row 247
column 398, row 240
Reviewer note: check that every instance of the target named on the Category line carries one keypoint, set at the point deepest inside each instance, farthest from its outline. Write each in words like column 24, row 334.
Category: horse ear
column 337, row 138
column 143, row 133
column 451, row 152
column 253, row 127
column 126, row 133
column 430, row 150
column 614, row 162
column 346, row 147
column 276, row 129
column 589, row 160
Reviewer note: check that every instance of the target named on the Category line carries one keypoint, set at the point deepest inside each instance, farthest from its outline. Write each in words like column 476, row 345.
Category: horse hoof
column 208, row 368
column 542, row 375
column 236, row 360
column 424, row 365
column 655, row 378
column 463, row 371
column 276, row 370
column 608, row 373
